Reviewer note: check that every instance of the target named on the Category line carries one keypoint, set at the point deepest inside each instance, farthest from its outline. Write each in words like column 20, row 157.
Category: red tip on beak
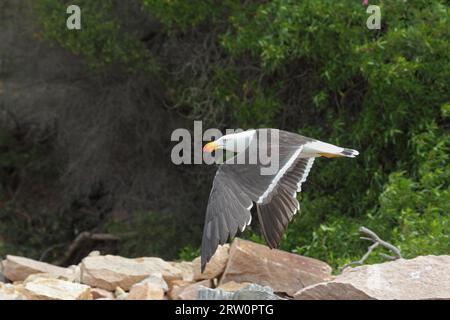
column 210, row 147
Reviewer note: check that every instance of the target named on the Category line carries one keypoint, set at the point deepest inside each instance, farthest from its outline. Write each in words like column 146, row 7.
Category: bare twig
column 80, row 239
column 50, row 249
column 377, row 241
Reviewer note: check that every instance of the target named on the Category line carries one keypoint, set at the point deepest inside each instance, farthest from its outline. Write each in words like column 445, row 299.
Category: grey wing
column 228, row 211
column 275, row 215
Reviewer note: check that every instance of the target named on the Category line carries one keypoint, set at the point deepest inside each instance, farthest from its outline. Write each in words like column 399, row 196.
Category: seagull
column 238, row 187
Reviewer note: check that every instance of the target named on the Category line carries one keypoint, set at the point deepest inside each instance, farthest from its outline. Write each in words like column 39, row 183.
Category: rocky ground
column 244, row 270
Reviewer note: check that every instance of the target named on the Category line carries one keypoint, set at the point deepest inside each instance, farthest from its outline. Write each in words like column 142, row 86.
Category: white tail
column 319, row 148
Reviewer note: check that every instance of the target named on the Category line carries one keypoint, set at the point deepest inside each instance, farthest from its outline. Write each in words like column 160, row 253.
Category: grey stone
column 251, row 292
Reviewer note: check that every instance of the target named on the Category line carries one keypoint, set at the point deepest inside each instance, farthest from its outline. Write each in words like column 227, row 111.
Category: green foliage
column 101, row 40
column 180, row 14
column 420, row 206
column 189, row 253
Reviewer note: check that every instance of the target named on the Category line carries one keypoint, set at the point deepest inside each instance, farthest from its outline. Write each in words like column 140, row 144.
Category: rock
column 76, row 271
column 157, row 279
column 175, row 287
column 120, row 294
column 94, row 253
column 425, row 277
column 158, row 265
column 255, row 292
column 9, row 292
column 250, row 292
column 55, row 289
column 233, row 286
column 190, row 291
column 98, row 293
column 215, row 267
column 35, row 276
column 331, row 291
column 186, row 268
column 108, row 272
column 283, row 271
column 145, row 291
column 151, row 288
column 205, row 293
column 19, row 268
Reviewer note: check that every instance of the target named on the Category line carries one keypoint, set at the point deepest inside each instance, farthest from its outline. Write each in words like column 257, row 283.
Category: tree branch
column 377, row 241
column 80, row 239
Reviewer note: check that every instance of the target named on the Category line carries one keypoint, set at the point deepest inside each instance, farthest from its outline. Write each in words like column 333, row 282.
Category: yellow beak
column 210, row 147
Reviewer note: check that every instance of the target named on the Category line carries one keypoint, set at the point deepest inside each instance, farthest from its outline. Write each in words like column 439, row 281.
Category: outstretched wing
column 275, row 215
column 228, row 211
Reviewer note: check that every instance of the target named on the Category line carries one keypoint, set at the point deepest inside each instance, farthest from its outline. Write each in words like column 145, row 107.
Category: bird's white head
column 234, row 142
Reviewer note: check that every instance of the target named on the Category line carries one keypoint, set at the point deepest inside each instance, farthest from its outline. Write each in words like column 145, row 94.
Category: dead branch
column 377, row 241
column 80, row 240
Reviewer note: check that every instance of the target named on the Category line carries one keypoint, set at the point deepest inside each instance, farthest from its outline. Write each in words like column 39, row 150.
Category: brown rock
column 55, row 289
column 175, row 287
column 233, row 286
column 19, row 268
column 98, row 293
column 145, row 291
column 151, row 288
column 158, row 265
column 108, row 272
column 283, row 271
column 189, row 292
column 186, row 268
column 426, row 277
column 215, row 267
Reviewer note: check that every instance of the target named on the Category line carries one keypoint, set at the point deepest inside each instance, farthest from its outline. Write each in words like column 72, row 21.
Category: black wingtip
column 350, row 153
column 203, row 266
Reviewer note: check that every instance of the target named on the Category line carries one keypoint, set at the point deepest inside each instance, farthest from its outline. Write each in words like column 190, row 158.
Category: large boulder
column 425, row 277
column 55, row 289
column 19, row 268
column 109, row 272
column 215, row 267
column 284, row 272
